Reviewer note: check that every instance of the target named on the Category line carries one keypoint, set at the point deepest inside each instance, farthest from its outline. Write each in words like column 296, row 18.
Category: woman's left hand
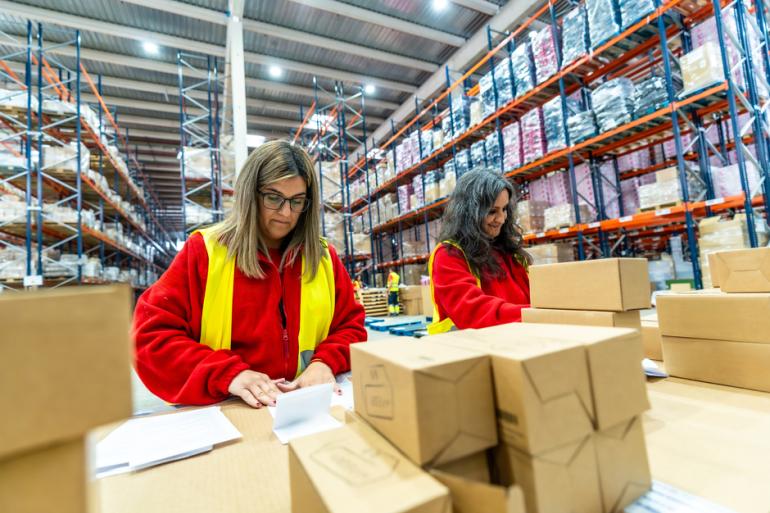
column 317, row 373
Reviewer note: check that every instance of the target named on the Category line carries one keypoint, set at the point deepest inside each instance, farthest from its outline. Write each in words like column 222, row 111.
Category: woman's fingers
column 249, row 398
column 287, row 386
column 260, row 394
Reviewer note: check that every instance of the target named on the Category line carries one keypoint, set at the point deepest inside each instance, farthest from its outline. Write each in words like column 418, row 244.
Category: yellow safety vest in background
column 316, row 304
column 393, row 279
column 443, row 325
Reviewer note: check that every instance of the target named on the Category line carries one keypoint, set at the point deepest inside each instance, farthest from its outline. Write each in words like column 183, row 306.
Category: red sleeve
column 169, row 359
column 460, row 298
column 347, row 324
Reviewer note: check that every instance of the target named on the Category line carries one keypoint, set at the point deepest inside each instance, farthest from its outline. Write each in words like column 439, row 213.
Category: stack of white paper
column 149, row 441
column 303, row 412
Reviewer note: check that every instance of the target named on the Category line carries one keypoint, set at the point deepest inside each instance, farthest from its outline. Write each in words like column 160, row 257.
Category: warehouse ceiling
column 394, row 45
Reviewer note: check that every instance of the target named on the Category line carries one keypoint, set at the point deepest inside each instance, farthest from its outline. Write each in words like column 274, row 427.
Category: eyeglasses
column 275, row 201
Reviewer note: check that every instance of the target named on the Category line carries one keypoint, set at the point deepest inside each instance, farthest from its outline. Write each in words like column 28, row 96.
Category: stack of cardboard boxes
column 61, row 379
column 722, row 336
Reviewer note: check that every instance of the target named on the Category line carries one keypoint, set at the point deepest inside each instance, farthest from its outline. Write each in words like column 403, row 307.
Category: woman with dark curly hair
column 479, row 269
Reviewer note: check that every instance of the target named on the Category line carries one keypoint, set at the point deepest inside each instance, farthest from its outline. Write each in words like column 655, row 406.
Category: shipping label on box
column 353, row 469
column 624, row 471
column 743, row 270
column 564, row 479
column 542, row 385
column 69, row 351
column 432, row 402
column 610, row 284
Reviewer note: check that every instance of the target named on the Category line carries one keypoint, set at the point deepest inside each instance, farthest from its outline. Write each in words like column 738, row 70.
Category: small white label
column 715, row 201
column 626, row 219
column 540, row 234
column 594, row 225
column 658, row 229
column 664, row 212
column 564, row 230
column 34, row 280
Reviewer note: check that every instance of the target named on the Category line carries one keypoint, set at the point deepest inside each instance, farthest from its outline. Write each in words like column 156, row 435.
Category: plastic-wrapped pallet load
column 727, row 180
column 448, row 182
column 418, row 192
column 632, row 11
column 533, row 136
column 478, row 155
column 432, row 188
column 523, row 74
column 551, row 253
column 717, row 234
column 476, row 112
column 639, row 159
column 559, row 189
column 504, row 82
column 701, row 67
column 544, row 54
column 438, row 138
column 538, row 191
column 581, row 126
column 630, row 195
column 602, row 21
column 492, row 146
column 574, row 36
column 665, row 190
column 613, row 103
column 512, row 146
column 404, row 196
column 446, row 128
column 564, row 215
column 460, row 114
column 650, row 95
column 426, row 144
column 462, row 162
column 585, row 191
column 554, row 122
column 530, row 215
column 487, row 95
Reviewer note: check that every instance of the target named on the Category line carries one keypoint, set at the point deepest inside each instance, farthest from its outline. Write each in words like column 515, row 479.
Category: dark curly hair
column 473, row 198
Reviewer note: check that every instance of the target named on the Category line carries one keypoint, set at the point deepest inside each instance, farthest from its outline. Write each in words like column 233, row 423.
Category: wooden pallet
column 662, row 206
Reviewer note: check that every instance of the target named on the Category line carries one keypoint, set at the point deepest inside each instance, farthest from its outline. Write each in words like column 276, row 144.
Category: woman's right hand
column 255, row 388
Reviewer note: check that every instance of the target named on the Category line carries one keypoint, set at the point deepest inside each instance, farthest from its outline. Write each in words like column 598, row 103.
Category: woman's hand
column 255, row 388
column 317, row 373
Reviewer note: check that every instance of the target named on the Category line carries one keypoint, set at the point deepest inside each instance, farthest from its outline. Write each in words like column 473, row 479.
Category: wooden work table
column 710, row 440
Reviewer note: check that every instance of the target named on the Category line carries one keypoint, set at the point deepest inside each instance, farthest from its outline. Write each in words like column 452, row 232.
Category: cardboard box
column 582, row 317
column 427, row 301
column 50, row 479
column 411, row 306
column 716, row 316
column 540, row 377
column 353, row 469
column 736, row 364
column 624, row 472
column 743, row 270
column 433, row 402
column 564, row 479
column 712, row 269
column 469, row 496
column 65, row 364
column 609, row 284
column 651, row 340
column 474, row 467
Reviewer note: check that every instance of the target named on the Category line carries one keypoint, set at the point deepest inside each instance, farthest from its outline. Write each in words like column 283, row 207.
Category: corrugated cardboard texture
column 624, row 472
column 609, row 284
column 541, row 379
column 716, row 316
column 712, row 271
column 651, row 340
column 565, row 479
column 354, row 469
column 65, row 363
column 427, row 300
column 432, row 402
column 46, row 480
column 469, row 496
column 736, row 364
column 582, row 317
column 474, row 467
column 743, row 270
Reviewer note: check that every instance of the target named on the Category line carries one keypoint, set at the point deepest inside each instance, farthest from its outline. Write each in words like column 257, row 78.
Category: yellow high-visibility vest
column 440, row 325
column 316, row 304
column 393, row 279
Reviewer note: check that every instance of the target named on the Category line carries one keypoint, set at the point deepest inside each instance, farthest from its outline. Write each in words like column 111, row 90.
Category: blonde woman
column 256, row 305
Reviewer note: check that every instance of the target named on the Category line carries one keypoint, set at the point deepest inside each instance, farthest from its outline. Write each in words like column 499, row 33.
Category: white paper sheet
column 651, row 369
column 346, row 387
column 664, row 498
column 148, row 441
column 303, row 412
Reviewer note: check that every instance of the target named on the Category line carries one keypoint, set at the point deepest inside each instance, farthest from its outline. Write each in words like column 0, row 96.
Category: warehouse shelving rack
column 200, row 125
column 335, row 118
column 654, row 41
column 51, row 111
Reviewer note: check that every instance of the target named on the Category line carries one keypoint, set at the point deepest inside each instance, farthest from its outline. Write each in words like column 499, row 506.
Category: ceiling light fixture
column 369, row 89
column 151, row 47
column 275, row 72
column 440, row 5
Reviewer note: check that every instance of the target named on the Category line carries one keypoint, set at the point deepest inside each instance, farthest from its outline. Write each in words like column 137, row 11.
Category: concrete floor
column 147, row 402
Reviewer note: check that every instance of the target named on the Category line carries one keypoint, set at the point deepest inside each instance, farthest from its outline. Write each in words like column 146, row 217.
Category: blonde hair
column 240, row 232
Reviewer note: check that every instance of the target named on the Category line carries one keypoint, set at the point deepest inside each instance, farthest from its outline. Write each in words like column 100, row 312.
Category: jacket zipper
column 284, row 337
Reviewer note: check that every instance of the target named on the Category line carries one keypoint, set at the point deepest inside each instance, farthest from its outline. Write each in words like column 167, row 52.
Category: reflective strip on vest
column 443, row 325
column 393, row 279
column 316, row 305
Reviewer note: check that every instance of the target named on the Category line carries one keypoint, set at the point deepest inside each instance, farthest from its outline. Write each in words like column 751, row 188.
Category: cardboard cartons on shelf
column 68, row 352
column 353, row 469
column 472, row 496
column 427, row 300
column 702, row 67
column 610, row 284
column 582, row 317
column 564, row 479
column 746, row 270
column 624, row 472
column 551, row 253
column 433, row 402
column 716, row 337
column 54, row 478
